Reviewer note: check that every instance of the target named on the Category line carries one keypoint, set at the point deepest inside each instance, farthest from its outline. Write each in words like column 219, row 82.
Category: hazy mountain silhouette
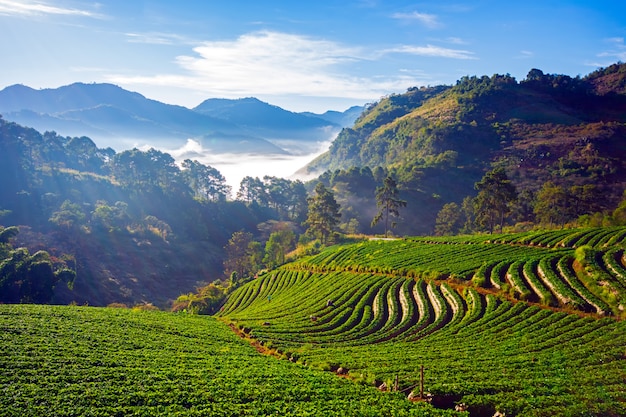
column 115, row 117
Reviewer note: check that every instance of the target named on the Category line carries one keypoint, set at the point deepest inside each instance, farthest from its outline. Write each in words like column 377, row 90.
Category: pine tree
column 323, row 215
column 388, row 203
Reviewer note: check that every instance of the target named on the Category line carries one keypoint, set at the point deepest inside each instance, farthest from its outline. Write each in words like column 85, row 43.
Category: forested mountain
column 439, row 141
column 134, row 226
column 117, row 118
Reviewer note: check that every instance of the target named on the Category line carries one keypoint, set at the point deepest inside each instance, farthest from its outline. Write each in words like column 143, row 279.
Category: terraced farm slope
column 522, row 324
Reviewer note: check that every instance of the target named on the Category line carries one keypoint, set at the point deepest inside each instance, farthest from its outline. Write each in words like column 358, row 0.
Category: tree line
column 498, row 204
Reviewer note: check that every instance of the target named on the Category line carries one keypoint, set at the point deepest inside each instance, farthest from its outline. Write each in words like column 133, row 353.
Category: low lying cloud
column 235, row 167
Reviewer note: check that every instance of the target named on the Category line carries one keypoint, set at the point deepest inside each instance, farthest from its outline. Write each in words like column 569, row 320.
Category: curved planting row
column 473, row 311
column 478, row 349
column 348, row 308
column 597, row 237
column 519, row 267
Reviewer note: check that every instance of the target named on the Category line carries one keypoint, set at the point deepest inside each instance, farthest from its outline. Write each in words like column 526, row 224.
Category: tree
column 279, row 243
column 8, row 233
column 553, row 205
column 448, row 220
column 26, row 278
column 323, row 215
column 619, row 214
column 388, row 203
column 523, row 209
column 69, row 216
column 110, row 218
column 240, row 255
column 205, row 181
column 153, row 168
column 252, row 190
column 495, row 194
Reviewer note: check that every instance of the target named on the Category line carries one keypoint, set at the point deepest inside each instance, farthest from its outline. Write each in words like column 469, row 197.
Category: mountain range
column 117, row 118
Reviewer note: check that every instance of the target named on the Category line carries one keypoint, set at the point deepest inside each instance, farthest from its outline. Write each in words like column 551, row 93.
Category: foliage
column 85, row 361
column 553, row 205
column 130, row 220
column 278, row 244
column 286, row 197
column 495, row 195
column 240, row 255
column 26, row 277
column 388, row 203
column 448, row 220
column 206, row 182
column 323, row 214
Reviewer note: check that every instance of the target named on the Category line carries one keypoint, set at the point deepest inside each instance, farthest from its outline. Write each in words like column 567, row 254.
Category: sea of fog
column 234, row 167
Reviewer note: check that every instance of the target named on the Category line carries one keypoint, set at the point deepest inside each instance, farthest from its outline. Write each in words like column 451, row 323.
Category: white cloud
column 456, row 41
column 39, row 8
column 525, row 55
column 428, row 20
column 158, row 38
column 434, row 51
column 616, row 53
column 271, row 63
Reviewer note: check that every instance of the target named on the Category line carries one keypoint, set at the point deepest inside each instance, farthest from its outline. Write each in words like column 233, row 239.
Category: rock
column 461, row 407
column 341, row 371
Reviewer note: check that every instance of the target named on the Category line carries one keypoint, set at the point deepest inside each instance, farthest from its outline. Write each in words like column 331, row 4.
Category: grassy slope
column 86, row 361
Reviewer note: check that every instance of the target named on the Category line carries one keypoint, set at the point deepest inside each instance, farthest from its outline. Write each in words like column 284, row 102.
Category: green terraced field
column 521, row 324
column 84, row 361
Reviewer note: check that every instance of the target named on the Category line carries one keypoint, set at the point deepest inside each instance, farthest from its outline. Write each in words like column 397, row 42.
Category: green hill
column 524, row 324
column 439, row 141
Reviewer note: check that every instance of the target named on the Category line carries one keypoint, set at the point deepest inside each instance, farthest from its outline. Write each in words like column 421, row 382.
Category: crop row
column 521, row 272
column 477, row 348
column 75, row 361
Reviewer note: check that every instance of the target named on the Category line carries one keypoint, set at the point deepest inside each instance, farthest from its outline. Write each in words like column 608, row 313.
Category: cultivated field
column 527, row 324
column 86, row 361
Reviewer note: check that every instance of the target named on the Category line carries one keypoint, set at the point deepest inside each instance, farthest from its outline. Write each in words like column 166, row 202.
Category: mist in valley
column 235, row 167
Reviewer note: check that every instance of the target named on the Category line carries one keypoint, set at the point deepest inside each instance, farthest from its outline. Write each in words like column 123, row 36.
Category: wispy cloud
column 159, row 38
column 273, row 63
column 426, row 19
column 617, row 49
column 456, row 41
column 525, row 55
column 434, row 51
column 40, row 8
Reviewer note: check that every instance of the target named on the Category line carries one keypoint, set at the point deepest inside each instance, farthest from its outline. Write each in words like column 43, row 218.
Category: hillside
column 516, row 324
column 134, row 226
column 441, row 140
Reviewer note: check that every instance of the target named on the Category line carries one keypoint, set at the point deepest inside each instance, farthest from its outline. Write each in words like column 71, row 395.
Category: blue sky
column 300, row 55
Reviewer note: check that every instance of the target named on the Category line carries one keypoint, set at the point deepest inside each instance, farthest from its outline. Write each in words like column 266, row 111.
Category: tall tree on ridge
column 388, row 203
column 323, row 214
column 495, row 193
